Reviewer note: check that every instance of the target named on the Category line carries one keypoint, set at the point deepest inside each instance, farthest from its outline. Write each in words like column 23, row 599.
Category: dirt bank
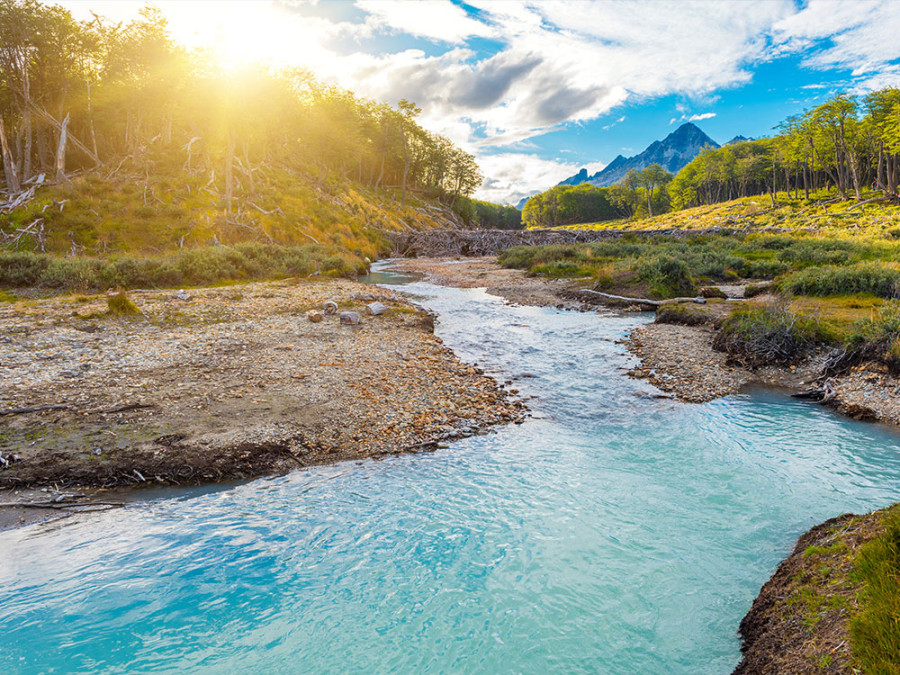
column 681, row 360
column 799, row 622
column 221, row 384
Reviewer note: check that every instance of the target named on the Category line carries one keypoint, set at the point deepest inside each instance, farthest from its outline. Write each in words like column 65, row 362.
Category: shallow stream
column 614, row 532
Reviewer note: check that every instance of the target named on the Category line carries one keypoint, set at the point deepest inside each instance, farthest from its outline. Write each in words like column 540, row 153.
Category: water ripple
column 614, row 533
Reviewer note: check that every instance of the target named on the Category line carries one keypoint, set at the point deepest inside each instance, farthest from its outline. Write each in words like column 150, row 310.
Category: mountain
column 673, row 153
column 739, row 139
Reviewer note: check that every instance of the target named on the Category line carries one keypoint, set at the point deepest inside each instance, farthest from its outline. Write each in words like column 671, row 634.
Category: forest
column 116, row 140
column 848, row 145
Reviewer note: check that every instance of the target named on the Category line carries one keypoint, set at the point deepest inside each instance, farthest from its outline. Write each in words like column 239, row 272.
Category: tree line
column 77, row 95
column 849, row 145
column 638, row 194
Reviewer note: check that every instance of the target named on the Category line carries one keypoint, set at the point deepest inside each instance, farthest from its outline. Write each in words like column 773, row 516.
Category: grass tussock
column 872, row 278
column 193, row 267
column 680, row 315
column 770, row 335
column 875, row 629
column 119, row 304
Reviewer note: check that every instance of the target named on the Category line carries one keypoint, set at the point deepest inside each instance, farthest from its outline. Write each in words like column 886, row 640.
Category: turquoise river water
column 614, row 532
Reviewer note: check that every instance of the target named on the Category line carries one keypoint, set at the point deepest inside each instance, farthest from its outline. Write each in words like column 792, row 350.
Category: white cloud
column 433, row 19
column 860, row 36
column 702, row 116
column 512, row 176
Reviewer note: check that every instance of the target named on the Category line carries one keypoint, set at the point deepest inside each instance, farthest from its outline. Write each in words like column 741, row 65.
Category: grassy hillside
column 172, row 227
column 822, row 211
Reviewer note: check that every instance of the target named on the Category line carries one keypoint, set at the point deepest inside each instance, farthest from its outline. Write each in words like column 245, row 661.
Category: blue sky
column 537, row 90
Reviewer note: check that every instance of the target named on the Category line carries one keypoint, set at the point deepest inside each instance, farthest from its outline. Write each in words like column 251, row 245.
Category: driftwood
column 852, row 208
column 37, row 408
column 645, row 301
column 56, row 505
column 63, row 406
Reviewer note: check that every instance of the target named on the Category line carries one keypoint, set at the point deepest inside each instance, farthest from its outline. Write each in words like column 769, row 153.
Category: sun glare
column 239, row 32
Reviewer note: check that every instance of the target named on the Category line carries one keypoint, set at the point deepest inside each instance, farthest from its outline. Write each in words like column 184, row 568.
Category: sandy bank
column 222, row 384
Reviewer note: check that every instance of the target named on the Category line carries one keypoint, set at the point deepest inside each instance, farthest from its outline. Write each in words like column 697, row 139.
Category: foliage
column 681, row 315
column 119, row 304
column 490, row 216
column 770, row 335
column 874, row 630
column 669, row 276
column 194, row 267
column 640, row 192
column 864, row 278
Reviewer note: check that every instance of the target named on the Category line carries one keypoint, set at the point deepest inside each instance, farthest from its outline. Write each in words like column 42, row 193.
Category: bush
column 119, row 304
column 680, row 315
column 712, row 292
column 768, row 336
column 198, row 266
column 669, row 277
column 876, row 279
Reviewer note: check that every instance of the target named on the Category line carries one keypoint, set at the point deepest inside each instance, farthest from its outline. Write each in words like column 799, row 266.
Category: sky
column 537, row 90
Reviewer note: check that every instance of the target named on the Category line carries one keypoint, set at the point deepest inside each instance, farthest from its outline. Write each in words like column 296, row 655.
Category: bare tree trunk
column 26, row 165
column 42, row 148
column 61, row 151
column 229, row 171
column 247, row 168
column 91, row 117
column 9, row 164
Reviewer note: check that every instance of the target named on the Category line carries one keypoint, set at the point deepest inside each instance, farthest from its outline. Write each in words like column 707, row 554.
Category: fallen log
column 36, row 408
column 645, row 301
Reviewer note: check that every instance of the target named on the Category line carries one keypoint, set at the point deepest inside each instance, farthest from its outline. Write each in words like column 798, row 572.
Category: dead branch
column 37, row 408
column 645, row 301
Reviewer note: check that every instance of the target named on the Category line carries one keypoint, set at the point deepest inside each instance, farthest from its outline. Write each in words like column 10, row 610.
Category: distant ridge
column 673, row 153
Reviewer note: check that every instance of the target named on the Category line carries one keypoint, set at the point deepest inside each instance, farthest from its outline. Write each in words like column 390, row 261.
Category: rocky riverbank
column 221, row 384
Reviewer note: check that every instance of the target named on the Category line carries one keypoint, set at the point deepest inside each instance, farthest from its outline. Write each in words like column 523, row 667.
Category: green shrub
column 872, row 278
column 200, row 266
column 771, row 335
column 669, row 277
column 712, row 292
column 681, row 315
column 119, row 304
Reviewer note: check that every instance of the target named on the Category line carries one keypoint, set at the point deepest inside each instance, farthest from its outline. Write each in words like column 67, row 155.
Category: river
column 613, row 532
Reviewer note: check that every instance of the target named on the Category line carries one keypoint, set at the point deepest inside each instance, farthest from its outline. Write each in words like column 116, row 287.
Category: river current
column 613, row 532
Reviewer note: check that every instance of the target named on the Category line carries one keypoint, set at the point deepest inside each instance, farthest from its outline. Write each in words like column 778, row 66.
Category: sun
column 238, row 33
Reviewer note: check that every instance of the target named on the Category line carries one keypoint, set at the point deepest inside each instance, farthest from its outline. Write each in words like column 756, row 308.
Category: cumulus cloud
column 512, row 176
column 434, row 19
